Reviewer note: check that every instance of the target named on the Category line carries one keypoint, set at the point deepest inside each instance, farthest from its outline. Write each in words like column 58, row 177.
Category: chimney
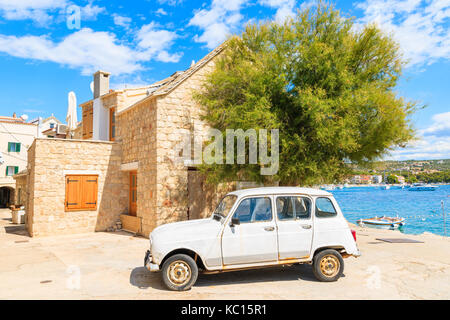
column 14, row 115
column 101, row 83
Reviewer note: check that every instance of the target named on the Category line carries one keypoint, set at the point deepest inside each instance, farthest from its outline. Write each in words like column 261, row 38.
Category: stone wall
column 21, row 191
column 49, row 160
column 137, row 134
column 177, row 111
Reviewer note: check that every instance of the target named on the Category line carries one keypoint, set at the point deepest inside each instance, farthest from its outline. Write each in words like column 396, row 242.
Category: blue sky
column 44, row 54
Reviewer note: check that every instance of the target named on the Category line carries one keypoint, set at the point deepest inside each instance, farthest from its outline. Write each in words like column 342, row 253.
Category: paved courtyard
column 110, row 266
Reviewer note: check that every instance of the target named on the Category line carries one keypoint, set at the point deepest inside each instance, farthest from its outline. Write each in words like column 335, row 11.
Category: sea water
column 421, row 209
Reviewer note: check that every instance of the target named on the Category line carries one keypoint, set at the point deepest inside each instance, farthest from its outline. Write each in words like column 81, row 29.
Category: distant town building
column 366, row 179
column 377, row 179
column 16, row 135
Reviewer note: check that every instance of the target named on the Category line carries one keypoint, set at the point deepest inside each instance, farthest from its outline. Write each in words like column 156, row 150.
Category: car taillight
column 354, row 234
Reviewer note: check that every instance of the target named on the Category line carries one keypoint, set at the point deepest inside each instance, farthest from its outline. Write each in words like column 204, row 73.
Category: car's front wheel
column 328, row 265
column 179, row 272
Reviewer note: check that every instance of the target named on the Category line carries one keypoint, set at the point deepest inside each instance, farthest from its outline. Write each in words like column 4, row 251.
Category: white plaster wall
column 100, row 121
column 15, row 132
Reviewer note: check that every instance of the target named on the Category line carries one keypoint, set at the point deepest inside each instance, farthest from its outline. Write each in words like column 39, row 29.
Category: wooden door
column 133, row 193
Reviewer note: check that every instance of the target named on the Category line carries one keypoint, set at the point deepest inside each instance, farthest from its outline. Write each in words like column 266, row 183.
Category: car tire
column 328, row 265
column 179, row 272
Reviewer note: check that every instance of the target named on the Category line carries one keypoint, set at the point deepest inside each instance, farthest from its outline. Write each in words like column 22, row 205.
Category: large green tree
column 327, row 85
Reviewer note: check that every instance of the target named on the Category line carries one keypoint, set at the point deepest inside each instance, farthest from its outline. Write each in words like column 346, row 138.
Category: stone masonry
column 49, row 159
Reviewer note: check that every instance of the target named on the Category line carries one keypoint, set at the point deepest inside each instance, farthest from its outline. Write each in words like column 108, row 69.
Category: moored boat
column 383, row 222
column 422, row 187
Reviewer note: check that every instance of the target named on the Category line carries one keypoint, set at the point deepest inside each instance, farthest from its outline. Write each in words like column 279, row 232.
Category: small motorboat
column 328, row 187
column 422, row 187
column 382, row 222
column 385, row 187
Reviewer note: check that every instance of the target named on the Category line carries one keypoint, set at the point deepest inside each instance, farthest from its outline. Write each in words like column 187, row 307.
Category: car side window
column 292, row 208
column 325, row 208
column 254, row 209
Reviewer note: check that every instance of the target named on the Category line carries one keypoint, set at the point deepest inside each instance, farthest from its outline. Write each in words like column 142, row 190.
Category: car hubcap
column 329, row 265
column 179, row 273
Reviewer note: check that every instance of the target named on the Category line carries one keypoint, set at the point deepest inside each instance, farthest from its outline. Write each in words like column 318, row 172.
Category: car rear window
column 325, row 208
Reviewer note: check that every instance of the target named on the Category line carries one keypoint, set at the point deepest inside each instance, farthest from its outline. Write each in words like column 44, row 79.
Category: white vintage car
column 255, row 228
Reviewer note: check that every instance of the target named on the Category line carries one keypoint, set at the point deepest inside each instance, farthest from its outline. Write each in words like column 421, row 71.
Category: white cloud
column 218, row 22
column 155, row 43
column 440, row 126
column 161, row 12
column 90, row 12
column 122, row 21
column 36, row 10
column 90, row 51
column 42, row 11
column 433, row 142
column 421, row 27
column 285, row 8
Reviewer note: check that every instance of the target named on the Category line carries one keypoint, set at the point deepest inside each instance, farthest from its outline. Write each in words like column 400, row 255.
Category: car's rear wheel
column 328, row 265
column 179, row 272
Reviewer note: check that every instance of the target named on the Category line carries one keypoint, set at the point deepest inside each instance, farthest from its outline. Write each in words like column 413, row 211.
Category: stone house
column 123, row 166
column 16, row 135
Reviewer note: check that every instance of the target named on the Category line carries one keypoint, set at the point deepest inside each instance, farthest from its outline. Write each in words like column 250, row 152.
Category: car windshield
column 225, row 206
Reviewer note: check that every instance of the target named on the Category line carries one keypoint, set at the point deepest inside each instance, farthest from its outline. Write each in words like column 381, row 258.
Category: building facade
column 16, row 136
column 123, row 166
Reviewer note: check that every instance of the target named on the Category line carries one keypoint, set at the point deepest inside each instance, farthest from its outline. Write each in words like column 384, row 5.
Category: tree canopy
column 325, row 83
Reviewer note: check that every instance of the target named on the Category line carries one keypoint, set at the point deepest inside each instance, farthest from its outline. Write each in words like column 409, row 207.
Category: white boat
column 385, row 187
column 383, row 222
column 328, row 187
column 422, row 187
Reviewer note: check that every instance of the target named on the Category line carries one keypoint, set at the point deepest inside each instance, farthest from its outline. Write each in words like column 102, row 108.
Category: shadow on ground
column 18, row 230
column 142, row 278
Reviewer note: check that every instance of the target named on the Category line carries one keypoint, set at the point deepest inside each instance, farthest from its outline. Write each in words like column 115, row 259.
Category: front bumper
column 148, row 262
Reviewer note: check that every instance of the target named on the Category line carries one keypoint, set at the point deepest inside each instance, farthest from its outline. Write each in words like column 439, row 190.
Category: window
column 254, row 209
column 13, row 146
column 52, row 125
column 325, row 208
column 293, row 208
column 11, row 170
column 81, row 192
column 112, row 124
column 225, row 205
column 88, row 115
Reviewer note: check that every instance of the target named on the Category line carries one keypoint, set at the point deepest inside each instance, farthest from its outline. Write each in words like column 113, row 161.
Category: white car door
column 254, row 239
column 294, row 220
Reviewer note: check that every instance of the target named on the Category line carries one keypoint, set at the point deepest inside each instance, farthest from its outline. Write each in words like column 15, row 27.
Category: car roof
column 279, row 190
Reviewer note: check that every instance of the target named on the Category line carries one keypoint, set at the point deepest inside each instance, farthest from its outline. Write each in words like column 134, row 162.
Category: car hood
column 187, row 230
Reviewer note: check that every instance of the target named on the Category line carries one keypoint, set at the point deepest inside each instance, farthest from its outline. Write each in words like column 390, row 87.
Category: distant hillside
column 407, row 166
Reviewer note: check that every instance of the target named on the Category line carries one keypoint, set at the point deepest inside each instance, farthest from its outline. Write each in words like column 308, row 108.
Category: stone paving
column 110, row 266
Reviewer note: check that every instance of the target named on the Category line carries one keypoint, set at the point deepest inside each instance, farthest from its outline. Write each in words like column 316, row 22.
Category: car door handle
column 306, row 226
column 269, row 228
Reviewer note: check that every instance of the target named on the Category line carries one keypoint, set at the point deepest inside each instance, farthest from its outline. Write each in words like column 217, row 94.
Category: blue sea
column 421, row 209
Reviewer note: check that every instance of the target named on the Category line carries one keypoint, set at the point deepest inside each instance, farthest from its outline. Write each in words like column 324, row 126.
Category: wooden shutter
column 88, row 116
column 73, row 192
column 81, row 192
column 18, row 147
column 89, row 192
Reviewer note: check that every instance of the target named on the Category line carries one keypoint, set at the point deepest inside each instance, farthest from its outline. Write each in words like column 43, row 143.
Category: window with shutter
column 11, row 170
column 88, row 114
column 112, row 124
column 81, row 192
column 13, row 146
